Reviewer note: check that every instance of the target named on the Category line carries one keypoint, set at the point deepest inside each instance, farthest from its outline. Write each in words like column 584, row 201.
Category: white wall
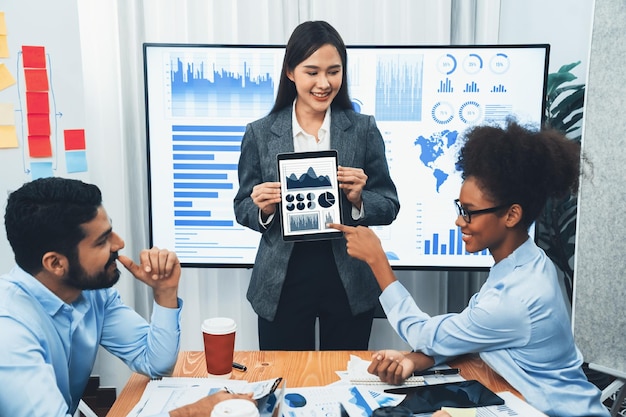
column 564, row 24
column 599, row 319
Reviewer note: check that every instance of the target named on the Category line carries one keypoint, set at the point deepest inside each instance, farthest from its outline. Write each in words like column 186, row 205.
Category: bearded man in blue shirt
column 58, row 304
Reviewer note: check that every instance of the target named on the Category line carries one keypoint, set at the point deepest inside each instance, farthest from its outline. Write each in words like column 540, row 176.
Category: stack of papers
column 357, row 374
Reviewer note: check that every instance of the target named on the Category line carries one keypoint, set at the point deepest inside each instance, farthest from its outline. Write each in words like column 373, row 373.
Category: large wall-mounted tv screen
column 199, row 99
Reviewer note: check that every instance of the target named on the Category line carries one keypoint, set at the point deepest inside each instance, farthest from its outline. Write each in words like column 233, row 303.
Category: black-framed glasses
column 467, row 214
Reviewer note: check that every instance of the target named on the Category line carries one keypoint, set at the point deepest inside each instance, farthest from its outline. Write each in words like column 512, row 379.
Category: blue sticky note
column 76, row 161
column 41, row 170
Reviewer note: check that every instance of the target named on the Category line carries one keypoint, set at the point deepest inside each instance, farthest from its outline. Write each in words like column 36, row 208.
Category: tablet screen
column 310, row 195
column 463, row 394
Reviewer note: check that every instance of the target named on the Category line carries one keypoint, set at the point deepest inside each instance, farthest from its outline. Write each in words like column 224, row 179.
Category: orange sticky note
column 37, row 102
column 36, row 79
column 34, row 57
column 74, row 139
column 39, row 146
column 6, row 79
column 38, row 124
column 8, row 137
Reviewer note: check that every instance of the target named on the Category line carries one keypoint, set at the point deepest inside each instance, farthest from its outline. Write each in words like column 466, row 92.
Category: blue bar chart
column 454, row 245
column 204, row 177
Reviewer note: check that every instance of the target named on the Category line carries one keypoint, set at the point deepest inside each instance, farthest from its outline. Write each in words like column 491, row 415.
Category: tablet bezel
column 327, row 161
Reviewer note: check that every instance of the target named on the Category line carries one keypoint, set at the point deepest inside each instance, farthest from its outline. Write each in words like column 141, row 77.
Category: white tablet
column 310, row 195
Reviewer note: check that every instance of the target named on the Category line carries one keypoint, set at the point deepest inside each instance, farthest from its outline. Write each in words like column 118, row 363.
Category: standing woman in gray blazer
column 295, row 284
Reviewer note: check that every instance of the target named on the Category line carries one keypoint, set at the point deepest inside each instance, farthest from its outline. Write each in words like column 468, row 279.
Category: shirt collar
column 520, row 256
column 32, row 286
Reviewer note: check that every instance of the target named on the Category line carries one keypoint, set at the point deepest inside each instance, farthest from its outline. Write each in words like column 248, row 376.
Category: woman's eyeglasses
column 467, row 214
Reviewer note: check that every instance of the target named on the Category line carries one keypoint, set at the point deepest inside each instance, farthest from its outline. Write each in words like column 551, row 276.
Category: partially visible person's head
column 519, row 165
column 305, row 40
column 46, row 215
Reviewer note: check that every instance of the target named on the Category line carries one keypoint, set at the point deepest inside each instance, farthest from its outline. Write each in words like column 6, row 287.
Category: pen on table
column 447, row 371
column 240, row 367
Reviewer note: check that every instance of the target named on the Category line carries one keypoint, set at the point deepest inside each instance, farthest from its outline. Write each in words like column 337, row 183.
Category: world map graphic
column 438, row 152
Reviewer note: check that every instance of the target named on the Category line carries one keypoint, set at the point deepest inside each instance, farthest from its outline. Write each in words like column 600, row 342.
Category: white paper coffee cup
column 236, row 407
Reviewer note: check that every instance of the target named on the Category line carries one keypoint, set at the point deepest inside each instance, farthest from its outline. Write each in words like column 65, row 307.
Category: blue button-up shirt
column 519, row 324
column 48, row 347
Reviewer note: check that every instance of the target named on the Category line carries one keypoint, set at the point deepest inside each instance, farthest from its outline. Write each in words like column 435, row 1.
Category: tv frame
column 245, row 265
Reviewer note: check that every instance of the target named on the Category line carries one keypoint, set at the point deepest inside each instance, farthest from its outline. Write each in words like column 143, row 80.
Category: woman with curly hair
column 518, row 322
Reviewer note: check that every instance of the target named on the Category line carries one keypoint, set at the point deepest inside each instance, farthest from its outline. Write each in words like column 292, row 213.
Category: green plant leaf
column 569, row 67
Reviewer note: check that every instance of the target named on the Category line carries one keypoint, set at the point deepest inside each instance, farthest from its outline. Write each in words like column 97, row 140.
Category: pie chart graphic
column 295, row 400
column 326, row 199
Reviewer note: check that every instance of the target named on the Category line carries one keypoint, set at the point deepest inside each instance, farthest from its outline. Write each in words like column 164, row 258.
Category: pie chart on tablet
column 326, row 199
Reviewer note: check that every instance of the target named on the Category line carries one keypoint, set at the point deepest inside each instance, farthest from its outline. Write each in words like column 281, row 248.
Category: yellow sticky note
column 460, row 412
column 7, row 114
column 8, row 137
column 4, row 47
column 3, row 25
column 6, row 79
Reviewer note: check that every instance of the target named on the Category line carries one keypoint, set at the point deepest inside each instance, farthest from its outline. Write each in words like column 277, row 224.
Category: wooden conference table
column 299, row 368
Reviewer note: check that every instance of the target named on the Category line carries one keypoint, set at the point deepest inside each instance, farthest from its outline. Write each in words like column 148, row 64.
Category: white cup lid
column 235, row 407
column 219, row 325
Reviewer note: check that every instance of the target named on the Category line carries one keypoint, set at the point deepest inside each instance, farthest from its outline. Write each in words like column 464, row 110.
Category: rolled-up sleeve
column 148, row 348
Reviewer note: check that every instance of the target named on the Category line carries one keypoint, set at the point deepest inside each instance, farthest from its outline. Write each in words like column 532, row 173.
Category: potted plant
column 556, row 225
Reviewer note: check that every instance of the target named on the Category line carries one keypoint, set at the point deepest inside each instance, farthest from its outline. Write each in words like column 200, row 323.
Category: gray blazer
column 359, row 144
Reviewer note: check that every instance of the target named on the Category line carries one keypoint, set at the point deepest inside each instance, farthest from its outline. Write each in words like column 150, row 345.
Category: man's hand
column 204, row 406
column 391, row 366
column 160, row 269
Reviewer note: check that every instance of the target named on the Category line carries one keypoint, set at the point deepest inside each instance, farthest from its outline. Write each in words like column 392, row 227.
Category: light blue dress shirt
column 48, row 347
column 519, row 324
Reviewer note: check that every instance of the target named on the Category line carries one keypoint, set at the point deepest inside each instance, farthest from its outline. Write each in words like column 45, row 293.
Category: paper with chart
column 166, row 394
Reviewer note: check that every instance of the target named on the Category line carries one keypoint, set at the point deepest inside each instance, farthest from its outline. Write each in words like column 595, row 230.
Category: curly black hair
column 517, row 164
column 46, row 215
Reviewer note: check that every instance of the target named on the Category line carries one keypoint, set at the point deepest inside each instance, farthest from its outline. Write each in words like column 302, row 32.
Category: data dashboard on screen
column 199, row 99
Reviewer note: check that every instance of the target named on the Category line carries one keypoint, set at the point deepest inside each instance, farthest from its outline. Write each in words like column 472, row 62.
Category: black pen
column 240, row 367
column 447, row 371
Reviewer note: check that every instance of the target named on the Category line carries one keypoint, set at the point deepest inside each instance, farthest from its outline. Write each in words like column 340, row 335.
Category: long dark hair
column 307, row 38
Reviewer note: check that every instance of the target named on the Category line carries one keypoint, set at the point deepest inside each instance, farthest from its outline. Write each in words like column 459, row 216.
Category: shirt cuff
column 358, row 214
column 267, row 222
column 166, row 315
